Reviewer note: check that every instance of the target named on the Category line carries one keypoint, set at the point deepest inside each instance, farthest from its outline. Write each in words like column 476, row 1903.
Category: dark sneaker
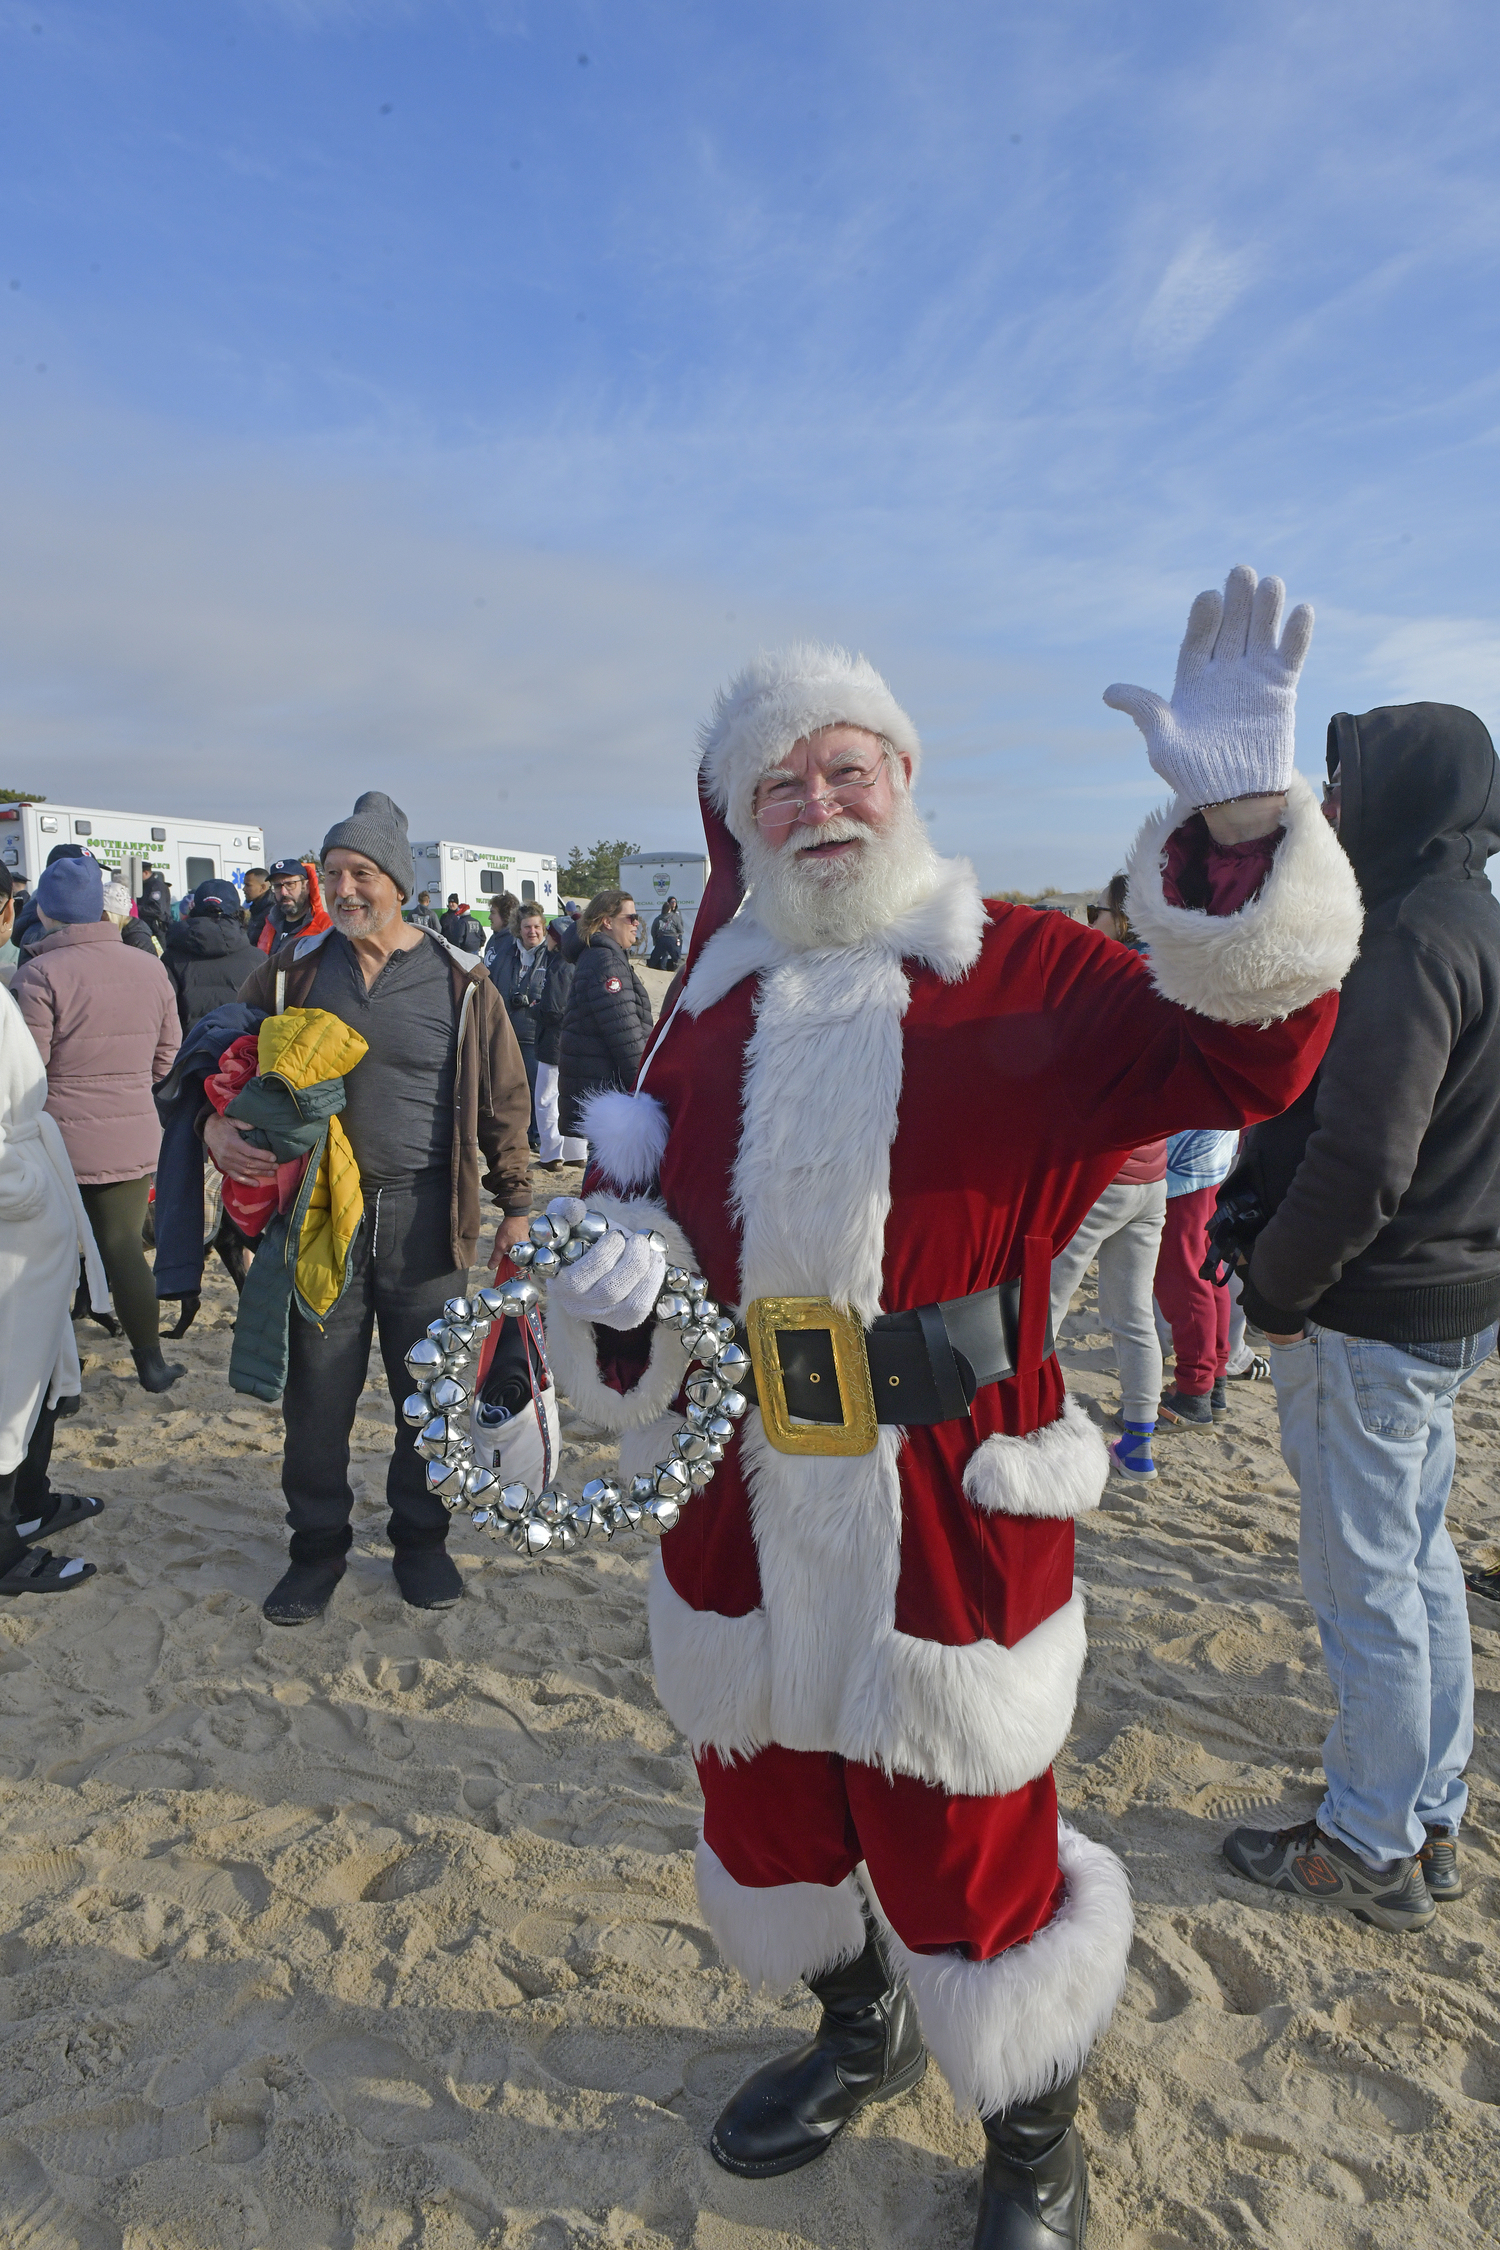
column 1482, row 1575
column 1258, row 1370
column 1312, row 1866
column 1181, row 1406
column 1218, row 1398
column 1438, row 1860
column 304, row 1593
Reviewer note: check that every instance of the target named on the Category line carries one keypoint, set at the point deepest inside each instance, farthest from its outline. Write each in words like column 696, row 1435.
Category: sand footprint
column 34, row 2216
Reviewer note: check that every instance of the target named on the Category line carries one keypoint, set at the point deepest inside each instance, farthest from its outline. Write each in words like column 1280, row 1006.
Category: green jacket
column 291, row 1122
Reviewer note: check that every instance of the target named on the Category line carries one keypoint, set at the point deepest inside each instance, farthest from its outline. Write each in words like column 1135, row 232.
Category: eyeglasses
column 783, row 806
column 630, row 918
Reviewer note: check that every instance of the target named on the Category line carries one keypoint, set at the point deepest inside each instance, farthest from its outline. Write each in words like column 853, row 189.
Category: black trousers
column 401, row 1272
column 26, row 1492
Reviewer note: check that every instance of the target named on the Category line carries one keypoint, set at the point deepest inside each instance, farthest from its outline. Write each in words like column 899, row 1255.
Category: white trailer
column 187, row 852
column 653, row 877
column 479, row 872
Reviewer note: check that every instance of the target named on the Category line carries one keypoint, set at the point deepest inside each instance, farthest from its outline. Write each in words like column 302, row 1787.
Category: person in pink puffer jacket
column 104, row 1018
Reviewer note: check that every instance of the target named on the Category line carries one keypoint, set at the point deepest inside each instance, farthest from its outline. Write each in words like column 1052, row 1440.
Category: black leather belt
column 823, row 1383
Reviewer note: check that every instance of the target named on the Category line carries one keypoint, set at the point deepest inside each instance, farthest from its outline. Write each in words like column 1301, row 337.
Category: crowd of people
column 1259, row 1095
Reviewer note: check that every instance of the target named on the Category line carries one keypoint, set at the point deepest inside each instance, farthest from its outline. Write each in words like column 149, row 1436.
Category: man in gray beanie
column 441, row 1082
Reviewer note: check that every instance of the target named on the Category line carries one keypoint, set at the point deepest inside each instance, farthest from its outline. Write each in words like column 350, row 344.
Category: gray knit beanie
column 377, row 828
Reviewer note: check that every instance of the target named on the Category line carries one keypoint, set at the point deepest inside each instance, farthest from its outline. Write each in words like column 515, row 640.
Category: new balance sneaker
column 1318, row 1868
column 1438, row 1860
column 1182, row 1406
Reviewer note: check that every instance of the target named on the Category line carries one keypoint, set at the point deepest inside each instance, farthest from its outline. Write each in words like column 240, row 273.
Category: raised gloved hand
column 1229, row 730
column 616, row 1283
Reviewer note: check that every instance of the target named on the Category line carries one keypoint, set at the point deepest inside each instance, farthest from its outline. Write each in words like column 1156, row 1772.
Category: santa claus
column 879, row 1105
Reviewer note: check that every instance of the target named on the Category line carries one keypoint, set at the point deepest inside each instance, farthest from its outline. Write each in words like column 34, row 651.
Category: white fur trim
column 571, row 1348
column 713, row 1673
column 1060, row 1470
column 978, row 1720
column 781, row 696
column 642, row 1448
column 785, row 1931
column 1296, row 940
column 627, row 1136
column 1004, row 2031
column 944, row 932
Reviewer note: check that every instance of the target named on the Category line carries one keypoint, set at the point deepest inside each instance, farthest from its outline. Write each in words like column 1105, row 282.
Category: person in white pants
column 1123, row 1231
column 554, row 1148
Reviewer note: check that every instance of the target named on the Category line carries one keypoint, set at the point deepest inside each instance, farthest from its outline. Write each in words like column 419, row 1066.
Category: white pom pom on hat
column 779, row 697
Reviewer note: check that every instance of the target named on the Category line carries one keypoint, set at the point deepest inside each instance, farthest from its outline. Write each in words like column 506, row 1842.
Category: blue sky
column 446, row 397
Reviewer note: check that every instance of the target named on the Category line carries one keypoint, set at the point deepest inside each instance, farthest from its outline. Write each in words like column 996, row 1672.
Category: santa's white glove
column 616, row 1283
column 1229, row 730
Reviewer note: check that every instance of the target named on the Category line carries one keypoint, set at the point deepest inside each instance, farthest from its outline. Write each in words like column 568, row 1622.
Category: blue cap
column 72, row 890
column 216, row 897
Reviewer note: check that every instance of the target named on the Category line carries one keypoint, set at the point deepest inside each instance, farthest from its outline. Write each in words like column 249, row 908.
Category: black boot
column 1035, row 2191
column 867, row 2048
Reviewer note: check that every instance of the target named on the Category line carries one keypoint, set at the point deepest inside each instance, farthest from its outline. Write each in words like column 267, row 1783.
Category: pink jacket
column 104, row 1017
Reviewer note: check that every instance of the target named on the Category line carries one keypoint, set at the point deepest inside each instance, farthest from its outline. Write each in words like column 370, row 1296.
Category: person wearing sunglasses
column 608, row 1021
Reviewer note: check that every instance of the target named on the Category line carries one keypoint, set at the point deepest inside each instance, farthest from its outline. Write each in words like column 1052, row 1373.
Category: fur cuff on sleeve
column 1297, row 940
column 1060, row 1470
column 571, row 1343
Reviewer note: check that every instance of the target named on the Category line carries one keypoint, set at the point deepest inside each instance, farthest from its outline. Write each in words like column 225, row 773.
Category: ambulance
column 653, row 877
column 187, row 852
column 479, row 872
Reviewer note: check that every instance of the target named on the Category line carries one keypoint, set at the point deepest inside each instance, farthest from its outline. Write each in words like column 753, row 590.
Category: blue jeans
column 1367, row 1431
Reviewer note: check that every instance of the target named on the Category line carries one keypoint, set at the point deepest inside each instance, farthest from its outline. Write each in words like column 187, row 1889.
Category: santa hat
column 774, row 702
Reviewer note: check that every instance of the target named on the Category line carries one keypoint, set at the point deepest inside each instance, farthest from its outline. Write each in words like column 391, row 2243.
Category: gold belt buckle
column 858, row 1430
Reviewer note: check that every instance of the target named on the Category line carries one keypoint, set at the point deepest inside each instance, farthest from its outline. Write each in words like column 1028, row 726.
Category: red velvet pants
column 975, row 1874
column 1198, row 1312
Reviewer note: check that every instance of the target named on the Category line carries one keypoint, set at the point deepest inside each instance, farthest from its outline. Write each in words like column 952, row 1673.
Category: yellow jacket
column 304, row 1047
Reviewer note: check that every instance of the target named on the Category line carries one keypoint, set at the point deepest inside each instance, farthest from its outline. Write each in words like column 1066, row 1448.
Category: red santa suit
column 876, row 1658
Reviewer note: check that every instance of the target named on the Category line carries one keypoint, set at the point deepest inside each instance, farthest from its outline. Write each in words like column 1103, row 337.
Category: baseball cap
column 216, row 897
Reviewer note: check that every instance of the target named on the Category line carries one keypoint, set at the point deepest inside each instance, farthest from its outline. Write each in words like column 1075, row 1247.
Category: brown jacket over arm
column 492, row 1100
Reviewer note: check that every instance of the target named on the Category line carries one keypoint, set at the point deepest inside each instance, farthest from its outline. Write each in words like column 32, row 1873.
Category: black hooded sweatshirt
column 1384, row 1177
column 208, row 959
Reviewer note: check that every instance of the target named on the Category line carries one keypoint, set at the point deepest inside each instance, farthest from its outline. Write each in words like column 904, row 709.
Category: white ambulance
column 653, row 877
column 187, row 852
column 478, row 872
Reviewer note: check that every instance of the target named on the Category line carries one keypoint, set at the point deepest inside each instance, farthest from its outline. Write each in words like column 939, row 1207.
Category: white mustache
column 839, row 830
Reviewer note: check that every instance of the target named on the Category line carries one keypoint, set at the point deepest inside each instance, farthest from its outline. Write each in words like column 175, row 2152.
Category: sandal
column 70, row 1508
column 39, row 1571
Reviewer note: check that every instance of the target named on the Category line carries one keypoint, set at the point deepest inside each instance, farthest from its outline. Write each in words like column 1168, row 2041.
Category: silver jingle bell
column 601, row 1492
column 521, row 1254
column 480, row 1484
column 725, row 1326
column 458, row 1308
column 585, row 1520
column 445, row 1480
column 703, row 1344
column 437, row 1330
column 533, row 1537
column 701, row 1473
column 545, row 1264
column 675, row 1277
column 546, row 1232
column 490, row 1302
column 424, row 1360
column 708, row 1313
column 564, row 1537
column 458, row 1336
column 572, row 1250
column 704, row 1389
column 696, row 1417
column 550, row 1505
column 672, row 1481
column 441, row 1437
column 697, row 1288
column 661, row 1516
column 732, row 1364
column 688, row 1445
column 416, row 1410
column 654, row 1240
column 514, row 1502
column 718, row 1429
column 592, row 1227
column 734, row 1404
column 517, row 1298
column 642, row 1489
column 448, row 1396
column 481, row 1519
column 624, row 1516
column 672, row 1309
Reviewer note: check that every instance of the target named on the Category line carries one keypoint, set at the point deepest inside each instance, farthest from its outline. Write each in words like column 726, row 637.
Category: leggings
column 116, row 1214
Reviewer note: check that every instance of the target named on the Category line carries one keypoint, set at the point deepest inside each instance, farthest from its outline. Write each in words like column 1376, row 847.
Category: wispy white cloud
column 1198, row 288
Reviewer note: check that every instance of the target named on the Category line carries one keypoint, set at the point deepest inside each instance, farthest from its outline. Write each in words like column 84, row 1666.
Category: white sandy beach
column 382, row 1934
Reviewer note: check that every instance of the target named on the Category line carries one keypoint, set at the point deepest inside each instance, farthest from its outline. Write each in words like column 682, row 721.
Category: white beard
column 814, row 903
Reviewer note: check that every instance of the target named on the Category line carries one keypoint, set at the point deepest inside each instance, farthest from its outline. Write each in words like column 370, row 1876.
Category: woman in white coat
column 43, row 1228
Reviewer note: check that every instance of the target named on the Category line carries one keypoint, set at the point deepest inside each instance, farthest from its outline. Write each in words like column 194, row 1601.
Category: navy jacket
column 179, row 1167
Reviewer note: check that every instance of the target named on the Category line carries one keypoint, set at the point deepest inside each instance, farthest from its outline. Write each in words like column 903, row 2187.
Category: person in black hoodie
column 608, row 1021
column 1377, row 1278
column 207, row 954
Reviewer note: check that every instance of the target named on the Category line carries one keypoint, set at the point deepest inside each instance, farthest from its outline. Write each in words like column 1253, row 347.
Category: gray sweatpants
column 1123, row 1231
